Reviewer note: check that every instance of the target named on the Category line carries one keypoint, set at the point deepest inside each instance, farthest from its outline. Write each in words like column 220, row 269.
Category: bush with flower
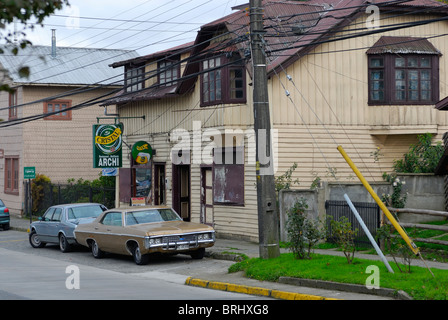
column 396, row 199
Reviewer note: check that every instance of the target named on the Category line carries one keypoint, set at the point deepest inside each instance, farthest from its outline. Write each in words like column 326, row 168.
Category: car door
column 54, row 225
column 43, row 226
column 109, row 233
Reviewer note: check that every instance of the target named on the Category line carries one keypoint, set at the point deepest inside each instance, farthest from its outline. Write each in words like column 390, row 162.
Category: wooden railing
column 424, row 226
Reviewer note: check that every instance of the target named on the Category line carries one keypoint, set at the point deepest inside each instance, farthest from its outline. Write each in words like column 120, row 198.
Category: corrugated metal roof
column 71, row 66
column 402, row 45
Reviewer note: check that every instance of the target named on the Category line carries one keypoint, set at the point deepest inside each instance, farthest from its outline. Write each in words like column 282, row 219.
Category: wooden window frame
column 134, row 82
column 389, row 79
column 231, row 191
column 58, row 116
column 220, row 73
column 12, row 167
column 13, row 109
column 168, row 71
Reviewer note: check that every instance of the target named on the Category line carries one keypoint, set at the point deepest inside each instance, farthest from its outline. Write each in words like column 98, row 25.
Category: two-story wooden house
column 356, row 73
column 59, row 145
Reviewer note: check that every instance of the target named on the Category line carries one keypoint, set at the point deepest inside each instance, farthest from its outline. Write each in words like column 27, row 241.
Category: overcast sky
column 146, row 26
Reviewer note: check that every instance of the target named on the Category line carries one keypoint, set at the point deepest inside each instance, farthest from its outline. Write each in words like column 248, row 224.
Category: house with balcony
column 333, row 79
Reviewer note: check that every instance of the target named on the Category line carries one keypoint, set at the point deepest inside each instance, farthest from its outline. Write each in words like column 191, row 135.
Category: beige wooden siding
column 334, row 85
column 61, row 149
column 328, row 106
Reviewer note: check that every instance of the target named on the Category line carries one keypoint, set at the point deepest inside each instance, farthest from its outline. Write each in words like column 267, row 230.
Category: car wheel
column 139, row 258
column 6, row 226
column 96, row 251
column 198, row 254
column 35, row 241
column 63, row 244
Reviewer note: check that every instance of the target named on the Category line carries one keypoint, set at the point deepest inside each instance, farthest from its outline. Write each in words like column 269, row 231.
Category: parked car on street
column 139, row 231
column 4, row 216
column 58, row 222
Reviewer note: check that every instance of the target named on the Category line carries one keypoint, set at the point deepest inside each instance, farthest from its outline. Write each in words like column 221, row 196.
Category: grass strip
column 419, row 284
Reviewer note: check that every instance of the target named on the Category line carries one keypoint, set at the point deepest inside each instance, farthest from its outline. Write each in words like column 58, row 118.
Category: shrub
column 422, row 157
column 303, row 232
column 395, row 200
column 39, row 186
column 344, row 236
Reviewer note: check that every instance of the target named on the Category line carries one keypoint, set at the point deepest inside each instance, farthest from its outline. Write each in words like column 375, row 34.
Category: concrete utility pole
column 266, row 198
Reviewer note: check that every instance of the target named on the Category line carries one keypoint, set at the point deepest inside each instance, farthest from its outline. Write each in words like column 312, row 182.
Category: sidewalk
column 286, row 288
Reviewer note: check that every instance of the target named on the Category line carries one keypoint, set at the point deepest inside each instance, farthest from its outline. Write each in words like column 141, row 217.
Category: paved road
column 47, row 273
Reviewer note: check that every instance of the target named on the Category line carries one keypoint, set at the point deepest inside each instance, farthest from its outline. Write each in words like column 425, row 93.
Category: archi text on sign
column 107, row 145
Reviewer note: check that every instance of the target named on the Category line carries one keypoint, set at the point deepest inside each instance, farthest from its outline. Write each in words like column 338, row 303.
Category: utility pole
column 266, row 198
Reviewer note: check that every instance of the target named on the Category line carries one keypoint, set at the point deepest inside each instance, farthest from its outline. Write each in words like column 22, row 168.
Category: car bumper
column 4, row 219
column 172, row 244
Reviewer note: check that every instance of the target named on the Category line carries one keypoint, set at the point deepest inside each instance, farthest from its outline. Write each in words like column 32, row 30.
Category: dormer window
column 222, row 81
column 169, row 71
column 134, row 78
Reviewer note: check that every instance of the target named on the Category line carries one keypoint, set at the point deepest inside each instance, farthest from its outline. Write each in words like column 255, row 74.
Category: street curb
column 347, row 287
column 257, row 291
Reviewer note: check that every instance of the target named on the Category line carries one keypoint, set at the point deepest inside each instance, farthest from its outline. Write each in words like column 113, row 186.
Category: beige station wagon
column 139, row 231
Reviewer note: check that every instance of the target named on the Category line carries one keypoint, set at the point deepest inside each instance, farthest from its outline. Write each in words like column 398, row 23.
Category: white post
column 369, row 235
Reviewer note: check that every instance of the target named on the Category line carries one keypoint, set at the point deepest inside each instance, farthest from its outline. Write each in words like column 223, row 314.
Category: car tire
column 35, row 241
column 139, row 258
column 63, row 244
column 198, row 254
column 96, row 251
column 6, row 226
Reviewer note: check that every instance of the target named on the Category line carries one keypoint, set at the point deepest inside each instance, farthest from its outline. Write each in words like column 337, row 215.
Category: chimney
column 53, row 43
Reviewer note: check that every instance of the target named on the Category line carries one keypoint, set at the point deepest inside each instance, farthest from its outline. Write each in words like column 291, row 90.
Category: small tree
column 344, row 236
column 395, row 247
column 303, row 232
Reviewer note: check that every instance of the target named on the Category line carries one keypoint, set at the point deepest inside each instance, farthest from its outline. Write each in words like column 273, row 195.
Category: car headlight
column 149, row 242
column 204, row 236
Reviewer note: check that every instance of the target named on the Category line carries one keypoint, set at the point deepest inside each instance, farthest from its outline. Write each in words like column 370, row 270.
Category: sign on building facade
column 107, row 145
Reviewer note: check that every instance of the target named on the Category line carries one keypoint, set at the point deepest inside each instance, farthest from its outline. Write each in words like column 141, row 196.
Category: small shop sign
column 107, row 145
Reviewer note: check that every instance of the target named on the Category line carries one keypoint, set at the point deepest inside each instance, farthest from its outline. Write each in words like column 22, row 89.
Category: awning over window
column 403, row 45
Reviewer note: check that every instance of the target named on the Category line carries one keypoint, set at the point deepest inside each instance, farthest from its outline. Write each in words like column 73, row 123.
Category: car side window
column 71, row 215
column 57, row 215
column 48, row 214
column 112, row 219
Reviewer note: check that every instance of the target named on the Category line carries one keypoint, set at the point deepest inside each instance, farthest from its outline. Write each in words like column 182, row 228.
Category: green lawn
column 419, row 283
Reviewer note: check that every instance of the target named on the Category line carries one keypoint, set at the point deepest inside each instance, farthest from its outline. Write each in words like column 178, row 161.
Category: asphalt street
column 29, row 273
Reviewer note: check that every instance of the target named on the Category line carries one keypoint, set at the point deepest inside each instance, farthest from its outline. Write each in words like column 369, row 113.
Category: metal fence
column 369, row 212
column 52, row 194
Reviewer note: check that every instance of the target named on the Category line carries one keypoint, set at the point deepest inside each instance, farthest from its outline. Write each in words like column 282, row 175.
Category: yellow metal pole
column 380, row 203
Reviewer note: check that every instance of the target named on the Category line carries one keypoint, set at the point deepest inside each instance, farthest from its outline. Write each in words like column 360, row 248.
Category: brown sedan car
column 139, row 231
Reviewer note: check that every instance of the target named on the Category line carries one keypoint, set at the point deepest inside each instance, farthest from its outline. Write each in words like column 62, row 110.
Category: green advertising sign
column 107, row 143
column 141, row 152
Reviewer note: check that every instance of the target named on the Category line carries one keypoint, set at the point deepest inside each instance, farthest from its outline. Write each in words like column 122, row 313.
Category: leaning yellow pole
column 380, row 203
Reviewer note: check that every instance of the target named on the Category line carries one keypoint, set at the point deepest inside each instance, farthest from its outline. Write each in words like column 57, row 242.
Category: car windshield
column 85, row 211
column 2, row 204
column 152, row 215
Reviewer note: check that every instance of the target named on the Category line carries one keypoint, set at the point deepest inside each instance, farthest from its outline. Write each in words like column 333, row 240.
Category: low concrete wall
column 425, row 191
